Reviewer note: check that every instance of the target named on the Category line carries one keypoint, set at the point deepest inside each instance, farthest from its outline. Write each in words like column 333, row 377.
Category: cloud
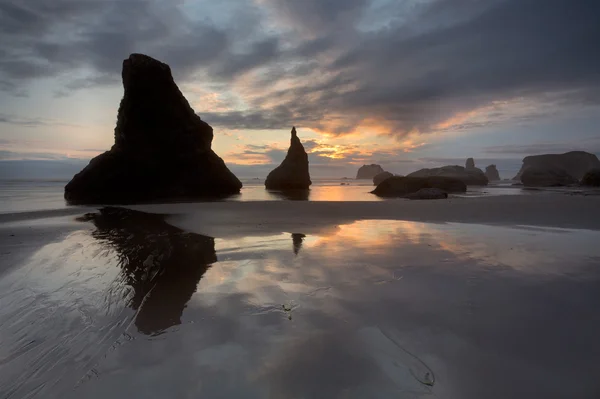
column 30, row 122
column 338, row 67
column 591, row 144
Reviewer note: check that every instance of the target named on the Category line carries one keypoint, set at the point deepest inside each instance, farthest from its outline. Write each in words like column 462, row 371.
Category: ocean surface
column 32, row 195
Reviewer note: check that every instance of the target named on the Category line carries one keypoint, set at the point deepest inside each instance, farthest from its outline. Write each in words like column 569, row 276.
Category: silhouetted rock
column 293, row 172
column 574, row 163
column 161, row 263
column 534, row 176
column 381, row 177
column 470, row 176
column 591, row 178
column 398, row 186
column 369, row 171
column 162, row 149
column 470, row 163
column 428, row 194
column 492, row 173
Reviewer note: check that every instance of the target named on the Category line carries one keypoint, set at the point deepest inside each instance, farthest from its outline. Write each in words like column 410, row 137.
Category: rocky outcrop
column 469, row 176
column 591, row 178
column 470, row 163
column 428, row 194
column 369, row 171
column 492, row 173
column 162, row 149
column 535, row 176
column 398, row 186
column 574, row 163
column 381, row 177
column 293, row 172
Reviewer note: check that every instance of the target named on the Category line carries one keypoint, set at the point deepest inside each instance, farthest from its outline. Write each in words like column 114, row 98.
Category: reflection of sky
column 364, row 309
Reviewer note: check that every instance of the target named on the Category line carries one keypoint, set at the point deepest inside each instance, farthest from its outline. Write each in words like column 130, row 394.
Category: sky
column 403, row 83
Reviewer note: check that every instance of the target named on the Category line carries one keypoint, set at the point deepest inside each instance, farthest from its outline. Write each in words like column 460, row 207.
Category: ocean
column 26, row 195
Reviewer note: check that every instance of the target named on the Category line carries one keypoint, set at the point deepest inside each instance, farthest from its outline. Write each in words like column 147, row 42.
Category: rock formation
column 574, row 163
column 591, row 178
column 534, row 176
column 398, row 186
column 469, row 176
column 381, row 177
column 492, row 173
column 369, row 171
column 428, row 194
column 470, row 163
column 162, row 149
column 293, row 173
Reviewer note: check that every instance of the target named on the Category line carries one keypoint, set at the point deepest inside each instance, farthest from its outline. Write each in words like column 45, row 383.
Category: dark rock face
column 534, row 176
column 398, row 186
column 369, row 171
column 162, row 149
column 470, row 163
column 591, row 178
column 381, row 177
column 293, row 172
column 428, row 194
column 470, row 176
column 492, row 173
column 574, row 163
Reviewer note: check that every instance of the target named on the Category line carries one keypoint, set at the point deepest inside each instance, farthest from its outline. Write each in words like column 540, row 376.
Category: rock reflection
column 161, row 263
column 291, row 195
column 297, row 240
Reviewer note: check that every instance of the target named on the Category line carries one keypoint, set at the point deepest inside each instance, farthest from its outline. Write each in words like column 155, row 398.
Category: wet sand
column 466, row 298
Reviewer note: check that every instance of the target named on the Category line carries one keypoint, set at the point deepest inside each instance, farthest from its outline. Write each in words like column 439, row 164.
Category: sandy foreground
column 226, row 219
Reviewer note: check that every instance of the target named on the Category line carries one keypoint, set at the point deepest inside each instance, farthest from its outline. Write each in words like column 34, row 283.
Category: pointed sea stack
column 162, row 149
column 293, row 173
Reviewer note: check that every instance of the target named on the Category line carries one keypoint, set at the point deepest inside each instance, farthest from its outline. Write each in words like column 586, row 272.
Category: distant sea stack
column 369, row 171
column 162, row 149
column 574, row 163
column 470, row 175
column 293, row 173
column 398, row 186
column 491, row 172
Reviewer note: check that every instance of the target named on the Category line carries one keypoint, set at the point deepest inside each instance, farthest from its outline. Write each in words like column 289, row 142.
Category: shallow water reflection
column 369, row 309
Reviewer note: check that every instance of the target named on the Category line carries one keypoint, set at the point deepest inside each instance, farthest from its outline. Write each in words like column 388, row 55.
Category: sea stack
column 574, row 163
column 491, row 172
column 162, row 149
column 293, row 172
column 369, row 171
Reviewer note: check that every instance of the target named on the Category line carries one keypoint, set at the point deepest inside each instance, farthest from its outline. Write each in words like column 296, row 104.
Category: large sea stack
column 162, row 149
column 471, row 176
column 574, row 163
column 369, row 171
column 293, row 172
column 491, row 172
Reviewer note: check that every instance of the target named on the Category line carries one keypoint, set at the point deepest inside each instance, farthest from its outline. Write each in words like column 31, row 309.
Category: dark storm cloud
column 408, row 65
column 43, row 38
column 591, row 144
